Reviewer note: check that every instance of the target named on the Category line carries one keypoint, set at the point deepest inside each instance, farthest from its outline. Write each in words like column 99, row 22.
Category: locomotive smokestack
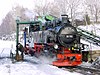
column 65, row 18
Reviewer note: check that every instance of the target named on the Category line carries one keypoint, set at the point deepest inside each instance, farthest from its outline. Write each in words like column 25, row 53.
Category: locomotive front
column 69, row 50
column 67, row 35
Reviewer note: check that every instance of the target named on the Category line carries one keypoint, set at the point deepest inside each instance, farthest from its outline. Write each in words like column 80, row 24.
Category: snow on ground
column 24, row 68
column 31, row 65
column 86, row 64
column 94, row 65
column 91, row 46
column 6, row 46
column 93, row 28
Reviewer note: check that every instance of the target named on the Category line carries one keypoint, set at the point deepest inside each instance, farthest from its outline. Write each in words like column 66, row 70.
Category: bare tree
column 69, row 7
column 8, row 25
column 54, row 9
column 19, row 11
column 94, row 8
column 73, row 7
column 62, row 5
column 41, row 7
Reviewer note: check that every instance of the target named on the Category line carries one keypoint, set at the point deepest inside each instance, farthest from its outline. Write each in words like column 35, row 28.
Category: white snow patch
column 86, row 64
column 6, row 47
column 31, row 65
column 7, row 44
column 91, row 46
column 93, row 28
column 31, row 69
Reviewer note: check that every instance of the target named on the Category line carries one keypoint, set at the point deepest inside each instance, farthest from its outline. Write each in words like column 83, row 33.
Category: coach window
column 34, row 28
column 37, row 27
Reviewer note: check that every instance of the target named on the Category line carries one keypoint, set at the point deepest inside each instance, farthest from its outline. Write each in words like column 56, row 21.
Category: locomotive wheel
column 31, row 52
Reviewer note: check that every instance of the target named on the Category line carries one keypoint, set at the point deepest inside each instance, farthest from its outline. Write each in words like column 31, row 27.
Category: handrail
column 88, row 33
column 89, row 37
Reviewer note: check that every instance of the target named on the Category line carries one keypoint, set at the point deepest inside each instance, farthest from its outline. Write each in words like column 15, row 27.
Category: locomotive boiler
column 59, row 38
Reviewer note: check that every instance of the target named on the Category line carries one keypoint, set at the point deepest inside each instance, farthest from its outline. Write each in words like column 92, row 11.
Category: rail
column 94, row 39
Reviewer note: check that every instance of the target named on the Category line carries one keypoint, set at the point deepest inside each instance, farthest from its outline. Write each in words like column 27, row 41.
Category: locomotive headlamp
column 75, row 45
column 69, row 36
column 56, row 46
column 72, row 48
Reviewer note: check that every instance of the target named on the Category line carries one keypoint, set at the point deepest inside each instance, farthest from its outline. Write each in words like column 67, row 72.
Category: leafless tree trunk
column 42, row 7
column 69, row 7
column 94, row 7
column 73, row 7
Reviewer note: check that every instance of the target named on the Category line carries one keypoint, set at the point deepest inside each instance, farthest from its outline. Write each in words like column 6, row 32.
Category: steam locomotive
column 57, row 38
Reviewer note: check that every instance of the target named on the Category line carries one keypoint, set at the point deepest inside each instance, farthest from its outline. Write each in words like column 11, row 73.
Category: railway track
column 83, row 70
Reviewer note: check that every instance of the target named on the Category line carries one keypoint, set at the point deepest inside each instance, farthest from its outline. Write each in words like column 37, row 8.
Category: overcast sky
column 6, row 6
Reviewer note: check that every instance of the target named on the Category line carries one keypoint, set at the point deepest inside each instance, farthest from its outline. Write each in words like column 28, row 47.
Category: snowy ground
column 90, row 46
column 93, row 28
column 31, row 65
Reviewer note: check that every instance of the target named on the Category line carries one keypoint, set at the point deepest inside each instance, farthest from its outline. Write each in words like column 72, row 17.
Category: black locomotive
column 59, row 37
